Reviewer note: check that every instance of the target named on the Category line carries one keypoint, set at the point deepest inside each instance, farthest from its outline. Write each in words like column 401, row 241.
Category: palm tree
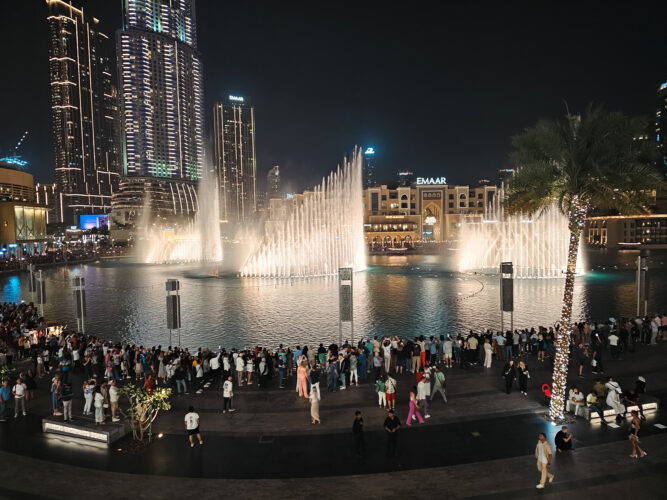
column 599, row 159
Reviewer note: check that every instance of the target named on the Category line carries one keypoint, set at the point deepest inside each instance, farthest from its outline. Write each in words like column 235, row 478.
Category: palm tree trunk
column 563, row 335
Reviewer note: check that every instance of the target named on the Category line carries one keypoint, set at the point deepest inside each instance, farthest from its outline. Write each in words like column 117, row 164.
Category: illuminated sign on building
column 236, row 98
column 369, row 151
column 429, row 181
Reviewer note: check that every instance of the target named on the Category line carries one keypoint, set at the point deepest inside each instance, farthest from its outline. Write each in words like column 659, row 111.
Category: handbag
column 594, row 362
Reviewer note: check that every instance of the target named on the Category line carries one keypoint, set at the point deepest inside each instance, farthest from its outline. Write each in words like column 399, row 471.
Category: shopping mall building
column 426, row 210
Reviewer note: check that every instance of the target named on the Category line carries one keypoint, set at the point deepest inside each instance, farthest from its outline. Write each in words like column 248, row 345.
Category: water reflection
column 406, row 295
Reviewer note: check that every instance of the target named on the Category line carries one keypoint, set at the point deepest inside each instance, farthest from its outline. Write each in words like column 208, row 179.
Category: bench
column 649, row 403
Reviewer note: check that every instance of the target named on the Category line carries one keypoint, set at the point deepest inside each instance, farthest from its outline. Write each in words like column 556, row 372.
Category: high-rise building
column 405, row 178
column 661, row 128
column 83, row 111
column 234, row 149
column 273, row 188
column 368, row 174
column 161, row 83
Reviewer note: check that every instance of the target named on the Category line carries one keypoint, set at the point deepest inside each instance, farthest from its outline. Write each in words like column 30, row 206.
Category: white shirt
column 99, row 400
column 113, row 394
column 541, row 456
column 19, row 390
column 215, row 363
column 613, row 340
column 227, row 389
column 191, row 421
column 240, row 365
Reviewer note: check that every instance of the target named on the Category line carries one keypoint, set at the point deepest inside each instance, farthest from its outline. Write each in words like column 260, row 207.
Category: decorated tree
column 144, row 407
column 598, row 159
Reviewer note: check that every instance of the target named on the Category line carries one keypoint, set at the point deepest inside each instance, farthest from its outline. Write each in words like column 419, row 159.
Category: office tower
column 160, row 76
column 661, row 128
column 234, row 149
column 369, row 168
column 405, row 178
column 273, row 188
column 83, row 112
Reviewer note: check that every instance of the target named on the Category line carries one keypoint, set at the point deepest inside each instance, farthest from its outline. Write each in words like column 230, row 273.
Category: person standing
column 614, row 398
column 423, row 387
column 524, row 375
column 113, row 401
column 382, row 393
column 227, row 394
column 66, row 398
column 509, row 373
column 634, row 436
column 98, row 403
column 358, row 434
column 302, row 373
column 18, row 391
column 192, row 426
column 391, row 427
column 488, row 353
column 55, row 394
column 88, row 389
column 543, row 455
column 5, row 395
column 314, row 406
column 390, row 387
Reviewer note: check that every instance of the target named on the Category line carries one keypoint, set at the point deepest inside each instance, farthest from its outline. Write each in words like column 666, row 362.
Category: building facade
column 22, row 219
column 83, row 112
column 428, row 210
column 661, row 128
column 627, row 231
column 235, row 164
column 161, row 86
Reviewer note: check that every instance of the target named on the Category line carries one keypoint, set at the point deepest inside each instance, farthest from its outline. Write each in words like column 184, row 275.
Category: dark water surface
column 403, row 295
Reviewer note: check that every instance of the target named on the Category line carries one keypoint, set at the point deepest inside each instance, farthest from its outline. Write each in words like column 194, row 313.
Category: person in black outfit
column 522, row 371
column 509, row 373
column 391, row 426
column 563, row 440
column 358, row 433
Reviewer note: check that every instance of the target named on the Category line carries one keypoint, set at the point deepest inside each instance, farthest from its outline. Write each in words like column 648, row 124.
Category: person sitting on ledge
column 563, row 440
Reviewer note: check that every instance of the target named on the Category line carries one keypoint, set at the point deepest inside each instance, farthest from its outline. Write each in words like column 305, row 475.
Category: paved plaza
column 480, row 444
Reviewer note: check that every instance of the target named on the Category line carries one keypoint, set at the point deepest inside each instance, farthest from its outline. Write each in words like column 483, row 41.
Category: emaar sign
column 430, row 181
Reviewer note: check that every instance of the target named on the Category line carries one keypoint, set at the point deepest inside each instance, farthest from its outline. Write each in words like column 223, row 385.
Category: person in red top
column 149, row 384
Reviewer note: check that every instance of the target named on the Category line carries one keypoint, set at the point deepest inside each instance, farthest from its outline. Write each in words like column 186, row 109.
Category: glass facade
column 30, row 223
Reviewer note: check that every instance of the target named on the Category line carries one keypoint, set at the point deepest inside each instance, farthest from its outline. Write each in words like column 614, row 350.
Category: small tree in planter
column 144, row 407
column 7, row 373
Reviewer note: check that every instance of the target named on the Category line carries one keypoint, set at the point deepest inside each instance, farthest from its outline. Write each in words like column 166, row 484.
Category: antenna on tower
column 13, row 157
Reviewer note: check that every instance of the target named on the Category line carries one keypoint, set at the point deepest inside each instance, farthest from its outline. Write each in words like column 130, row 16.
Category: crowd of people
column 310, row 369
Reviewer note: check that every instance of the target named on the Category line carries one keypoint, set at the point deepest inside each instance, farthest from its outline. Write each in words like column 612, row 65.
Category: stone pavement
column 479, row 444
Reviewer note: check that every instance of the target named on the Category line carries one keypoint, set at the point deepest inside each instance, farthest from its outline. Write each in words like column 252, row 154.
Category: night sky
column 436, row 89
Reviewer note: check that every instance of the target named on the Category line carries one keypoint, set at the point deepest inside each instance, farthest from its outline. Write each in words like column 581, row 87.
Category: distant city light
column 236, row 98
column 369, row 151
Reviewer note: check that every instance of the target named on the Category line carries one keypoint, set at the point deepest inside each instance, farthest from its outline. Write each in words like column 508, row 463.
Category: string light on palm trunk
column 577, row 217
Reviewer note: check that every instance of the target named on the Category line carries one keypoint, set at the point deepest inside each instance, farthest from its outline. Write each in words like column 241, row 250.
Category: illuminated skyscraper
column 234, row 137
column 160, row 75
column 83, row 112
column 661, row 128
column 273, row 188
column 369, row 168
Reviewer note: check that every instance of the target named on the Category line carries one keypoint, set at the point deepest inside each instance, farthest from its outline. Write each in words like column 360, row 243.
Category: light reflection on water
column 403, row 295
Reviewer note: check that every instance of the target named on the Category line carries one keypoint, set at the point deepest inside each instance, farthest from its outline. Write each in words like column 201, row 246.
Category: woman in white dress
column 488, row 354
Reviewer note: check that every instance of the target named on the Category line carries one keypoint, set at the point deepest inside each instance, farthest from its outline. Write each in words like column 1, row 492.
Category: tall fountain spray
column 164, row 241
column 537, row 246
column 321, row 235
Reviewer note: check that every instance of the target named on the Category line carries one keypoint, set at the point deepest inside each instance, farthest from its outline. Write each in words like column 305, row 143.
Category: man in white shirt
column 227, row 394
column 214, row 364
column 575, row 402
column 423, row 390
column 19, row 397
column 192, row 426
column 543, row 455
